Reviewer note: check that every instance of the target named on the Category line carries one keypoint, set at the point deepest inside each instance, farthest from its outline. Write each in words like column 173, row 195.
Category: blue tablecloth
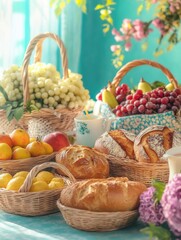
column 53, row 226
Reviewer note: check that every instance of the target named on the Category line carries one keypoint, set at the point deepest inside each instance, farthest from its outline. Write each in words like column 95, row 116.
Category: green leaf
column 157, row 232
column 4, row 93
column 8, row 110
column 99, row 6
column 14, row 104
column 10, row 116
column 160, row 187
column 18, row 113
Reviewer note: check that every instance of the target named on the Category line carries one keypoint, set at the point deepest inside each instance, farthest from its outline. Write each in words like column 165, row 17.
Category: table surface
column 53, row 226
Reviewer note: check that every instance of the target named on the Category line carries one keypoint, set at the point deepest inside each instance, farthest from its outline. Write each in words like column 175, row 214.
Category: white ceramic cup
column 89, row 128
column 174, row 161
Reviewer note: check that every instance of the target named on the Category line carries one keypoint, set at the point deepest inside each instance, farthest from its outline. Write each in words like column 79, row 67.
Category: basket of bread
column 35, row 192
column 145, row 105
column 19, row 151
column 101, row 204
column 42, row 100
column 139, row 157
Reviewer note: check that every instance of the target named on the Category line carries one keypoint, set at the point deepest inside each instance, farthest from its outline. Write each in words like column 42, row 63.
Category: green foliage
column 15, row 109
column 157, row 232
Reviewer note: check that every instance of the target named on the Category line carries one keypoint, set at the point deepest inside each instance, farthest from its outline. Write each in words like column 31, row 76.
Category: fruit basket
column 27, row 203
column 139, row 171
column 13, row 166
column 138, row 122
column 51, row 100
column 97, row 221
column 46, row 120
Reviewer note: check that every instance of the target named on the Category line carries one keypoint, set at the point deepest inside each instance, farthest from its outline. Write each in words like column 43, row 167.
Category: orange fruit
column 21, row 153
column 4, row 138
column 36, row 148
column 48, row 148
column 20, row 138
column 5, row 151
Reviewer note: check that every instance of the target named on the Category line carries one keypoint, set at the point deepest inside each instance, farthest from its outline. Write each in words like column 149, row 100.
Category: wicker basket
column 33, row 203
column 137, row 123
column 7, row 126
column 13, row 166
column 97, row 221
column 138, row 171
column 46, row 120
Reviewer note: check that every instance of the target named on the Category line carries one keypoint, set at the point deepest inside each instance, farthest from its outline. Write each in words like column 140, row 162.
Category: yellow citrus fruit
column 20, row 153
column 57, row 179
column 45, row 176
column 34, row 180
column 39, row 186
column 20, row 137
column 36, row 148
column 15, row 147
column 5, row 151
column 48, row 148
column 4, row 179
column 21, row 174
column 15, row 183
column 56, row 185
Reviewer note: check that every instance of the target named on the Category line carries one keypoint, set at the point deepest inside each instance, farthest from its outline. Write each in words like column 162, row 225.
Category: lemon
column 56, row 185
column 39, row 186
column 34, row 180
column 4, row 179
column 21, row 174
column 57, row 179
column 15, row 183
column 45, row 176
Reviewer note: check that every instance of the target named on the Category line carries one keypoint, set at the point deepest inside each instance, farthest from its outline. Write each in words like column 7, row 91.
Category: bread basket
column 139, row 171
column 97, row 221
column 28, row 203
column 138, row 122
column 46, row 120
column 13, row 166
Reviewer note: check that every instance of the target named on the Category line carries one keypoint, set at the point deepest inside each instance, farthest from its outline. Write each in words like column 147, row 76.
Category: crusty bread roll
column 103, row 195
column 151, row 144
column 84, row 162
column 118, row 143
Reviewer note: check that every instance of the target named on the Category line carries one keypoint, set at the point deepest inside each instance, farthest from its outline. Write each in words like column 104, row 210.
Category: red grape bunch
column 158, row 100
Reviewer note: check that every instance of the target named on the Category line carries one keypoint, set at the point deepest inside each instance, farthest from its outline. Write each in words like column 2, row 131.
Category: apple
column 57, row 140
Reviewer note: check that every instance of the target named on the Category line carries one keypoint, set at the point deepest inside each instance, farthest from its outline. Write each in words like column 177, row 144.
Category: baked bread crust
column 83, row 162
column 151, row 144
column 103, row 195
column 119, row 143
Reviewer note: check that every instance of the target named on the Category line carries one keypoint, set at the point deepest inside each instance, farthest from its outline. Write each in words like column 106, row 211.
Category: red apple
column 57, row 140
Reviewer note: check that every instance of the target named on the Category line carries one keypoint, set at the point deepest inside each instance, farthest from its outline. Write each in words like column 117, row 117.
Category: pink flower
column 115, row 32
column 115, row 48
column 126, row 26
column 154, row 1
column 119, row 38
column 127, row 46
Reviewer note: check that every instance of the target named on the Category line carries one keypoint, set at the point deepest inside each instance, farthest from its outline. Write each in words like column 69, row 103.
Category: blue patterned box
column 137, row 123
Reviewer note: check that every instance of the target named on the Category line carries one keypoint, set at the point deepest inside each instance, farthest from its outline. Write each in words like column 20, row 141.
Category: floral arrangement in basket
column 160, row 209
column 37, row 190
column 134, row 110
column 37, row 91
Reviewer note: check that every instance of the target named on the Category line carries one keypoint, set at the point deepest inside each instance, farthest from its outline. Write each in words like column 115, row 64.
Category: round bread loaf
column 119, row 143
column 152, row 143
column 83, row 162
column 103, row 195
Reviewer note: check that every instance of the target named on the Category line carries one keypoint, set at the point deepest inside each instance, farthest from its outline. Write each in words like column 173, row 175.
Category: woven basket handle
column 35, row 170
column 126, row 68
column 37, row 42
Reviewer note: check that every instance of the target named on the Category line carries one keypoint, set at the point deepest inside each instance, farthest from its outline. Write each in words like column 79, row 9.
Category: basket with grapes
column 135, row 111
column 47, row 102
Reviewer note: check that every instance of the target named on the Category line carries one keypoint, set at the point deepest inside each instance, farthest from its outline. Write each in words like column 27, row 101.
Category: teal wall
column 95, row 61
